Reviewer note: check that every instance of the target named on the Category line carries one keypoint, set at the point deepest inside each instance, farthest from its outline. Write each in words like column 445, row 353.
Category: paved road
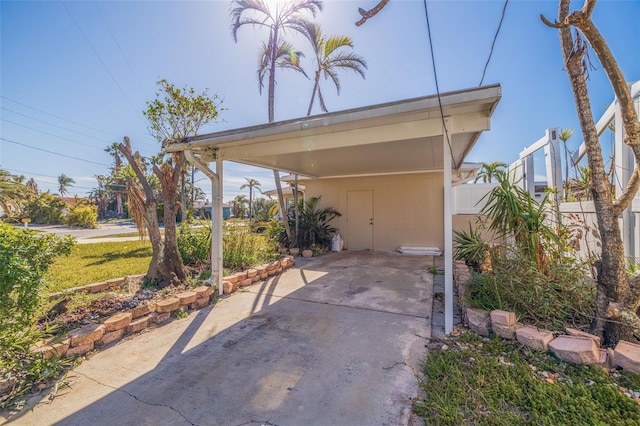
column 86, row 236
column 332, row 341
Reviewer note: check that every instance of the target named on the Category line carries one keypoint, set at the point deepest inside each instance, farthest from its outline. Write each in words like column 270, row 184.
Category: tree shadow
column 296, row 349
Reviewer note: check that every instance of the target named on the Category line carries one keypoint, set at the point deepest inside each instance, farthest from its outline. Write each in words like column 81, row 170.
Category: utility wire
column 55, row 125
column 435, row 76
column 44, row 176
column 48, row 134
column 121, row 51
column 100, row 59
column 52, row 152
column 495, row 37
column 58, row 117
column 71, row 121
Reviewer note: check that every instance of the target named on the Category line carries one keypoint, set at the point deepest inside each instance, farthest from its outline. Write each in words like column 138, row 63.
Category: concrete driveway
column 333, row 341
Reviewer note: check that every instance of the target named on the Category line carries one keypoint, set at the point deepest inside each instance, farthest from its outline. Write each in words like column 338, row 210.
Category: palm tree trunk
column 313, row 94
column 296, row 209
column 283, row 211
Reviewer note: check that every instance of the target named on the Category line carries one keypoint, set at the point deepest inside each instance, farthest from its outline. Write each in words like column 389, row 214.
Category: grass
column 90, row 263
column 491, row 382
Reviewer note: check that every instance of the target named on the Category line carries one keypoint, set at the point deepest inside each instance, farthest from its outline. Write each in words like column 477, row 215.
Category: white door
column 360, row 220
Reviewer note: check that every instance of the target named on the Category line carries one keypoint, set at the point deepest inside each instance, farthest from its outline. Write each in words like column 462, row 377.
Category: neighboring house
column 387, row 168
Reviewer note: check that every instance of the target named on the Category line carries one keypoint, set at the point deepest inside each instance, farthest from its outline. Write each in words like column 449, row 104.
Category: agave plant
column 469, row 246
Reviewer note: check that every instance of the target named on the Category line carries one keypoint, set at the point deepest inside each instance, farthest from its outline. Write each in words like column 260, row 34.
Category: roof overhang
column 397, row 137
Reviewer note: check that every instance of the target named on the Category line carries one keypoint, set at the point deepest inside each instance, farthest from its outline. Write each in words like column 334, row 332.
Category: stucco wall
column 408, row 209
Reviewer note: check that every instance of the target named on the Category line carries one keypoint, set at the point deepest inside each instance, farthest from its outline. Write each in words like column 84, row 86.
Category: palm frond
column 336, row 42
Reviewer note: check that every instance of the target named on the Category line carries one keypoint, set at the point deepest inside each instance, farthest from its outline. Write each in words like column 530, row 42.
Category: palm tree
column 283, row 17
column 63, row 182
column 115, row 153
column 490, row 170
column 239, row 205
column 32, row 186
column 12, row 190
column 275, row 52
column 251, row 184
column 329, row 58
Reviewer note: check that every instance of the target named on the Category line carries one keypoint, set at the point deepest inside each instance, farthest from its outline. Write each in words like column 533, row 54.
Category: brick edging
column 94, row 336
column 574, row 346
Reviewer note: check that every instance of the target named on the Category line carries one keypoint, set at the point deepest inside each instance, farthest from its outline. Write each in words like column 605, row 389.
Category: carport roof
column 396, row 137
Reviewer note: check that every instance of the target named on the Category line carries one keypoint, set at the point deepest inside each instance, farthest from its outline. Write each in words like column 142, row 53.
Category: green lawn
column 89, row 263
column 480, row 382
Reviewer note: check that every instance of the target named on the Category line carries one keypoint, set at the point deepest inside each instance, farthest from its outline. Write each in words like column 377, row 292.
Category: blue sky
column 75, row 76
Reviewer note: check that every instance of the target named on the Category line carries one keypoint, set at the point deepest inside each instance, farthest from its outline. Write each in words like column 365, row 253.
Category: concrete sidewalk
column 335, row 340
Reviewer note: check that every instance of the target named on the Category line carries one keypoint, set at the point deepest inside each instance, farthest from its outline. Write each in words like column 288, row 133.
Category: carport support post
column 448, row 230
column 216, row 216
column 216, row 243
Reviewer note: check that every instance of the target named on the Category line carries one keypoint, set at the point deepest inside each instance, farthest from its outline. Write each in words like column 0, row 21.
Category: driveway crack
column 137, row 398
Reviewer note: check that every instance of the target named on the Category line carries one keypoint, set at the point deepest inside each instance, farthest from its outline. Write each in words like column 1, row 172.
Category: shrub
column 242, row 250
column 563, row 294
column 45, row 209
column 194, row 244
column 82, row 215
column 25, row 258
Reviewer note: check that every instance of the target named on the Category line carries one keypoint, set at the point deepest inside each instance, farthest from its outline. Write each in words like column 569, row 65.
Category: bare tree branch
column 368, row 14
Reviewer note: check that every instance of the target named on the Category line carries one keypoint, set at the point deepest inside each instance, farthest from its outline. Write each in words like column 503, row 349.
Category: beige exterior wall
column 407, row 209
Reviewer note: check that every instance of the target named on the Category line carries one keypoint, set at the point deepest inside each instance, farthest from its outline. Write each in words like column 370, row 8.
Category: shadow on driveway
column 335, row 340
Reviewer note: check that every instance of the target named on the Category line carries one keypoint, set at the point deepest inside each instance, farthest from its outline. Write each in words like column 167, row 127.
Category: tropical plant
column 239, row 206
column 116, row 185
column 330, row 57
column 469, row 246
column 251, row 184
column 277, row 19
column 64, row 181
column 513, row 213
column 262, row 208
column 12, row 190
column 314, row 229
column 488, row 171
column 45, row 208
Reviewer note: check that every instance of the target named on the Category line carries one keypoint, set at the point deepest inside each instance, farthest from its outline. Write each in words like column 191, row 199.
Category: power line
column 435, row 76
column 55, row 125
column 44, row 176
column 48, row 134
column 495, row 37
column 58, row 117
column 100, row 59
column 52, row 152
column 121, row 51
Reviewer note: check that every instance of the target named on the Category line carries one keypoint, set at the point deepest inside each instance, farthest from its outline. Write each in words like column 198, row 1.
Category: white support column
column 529, row 180
column 216, row 216
column 624, row 168
column 448, row 231
column 553, row 163
column 216, row 243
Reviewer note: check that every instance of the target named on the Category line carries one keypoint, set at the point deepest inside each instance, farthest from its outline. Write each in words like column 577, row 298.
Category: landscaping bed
column 470, row 379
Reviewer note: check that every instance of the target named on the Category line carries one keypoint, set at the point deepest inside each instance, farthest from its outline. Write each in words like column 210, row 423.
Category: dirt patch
column 70, row 312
